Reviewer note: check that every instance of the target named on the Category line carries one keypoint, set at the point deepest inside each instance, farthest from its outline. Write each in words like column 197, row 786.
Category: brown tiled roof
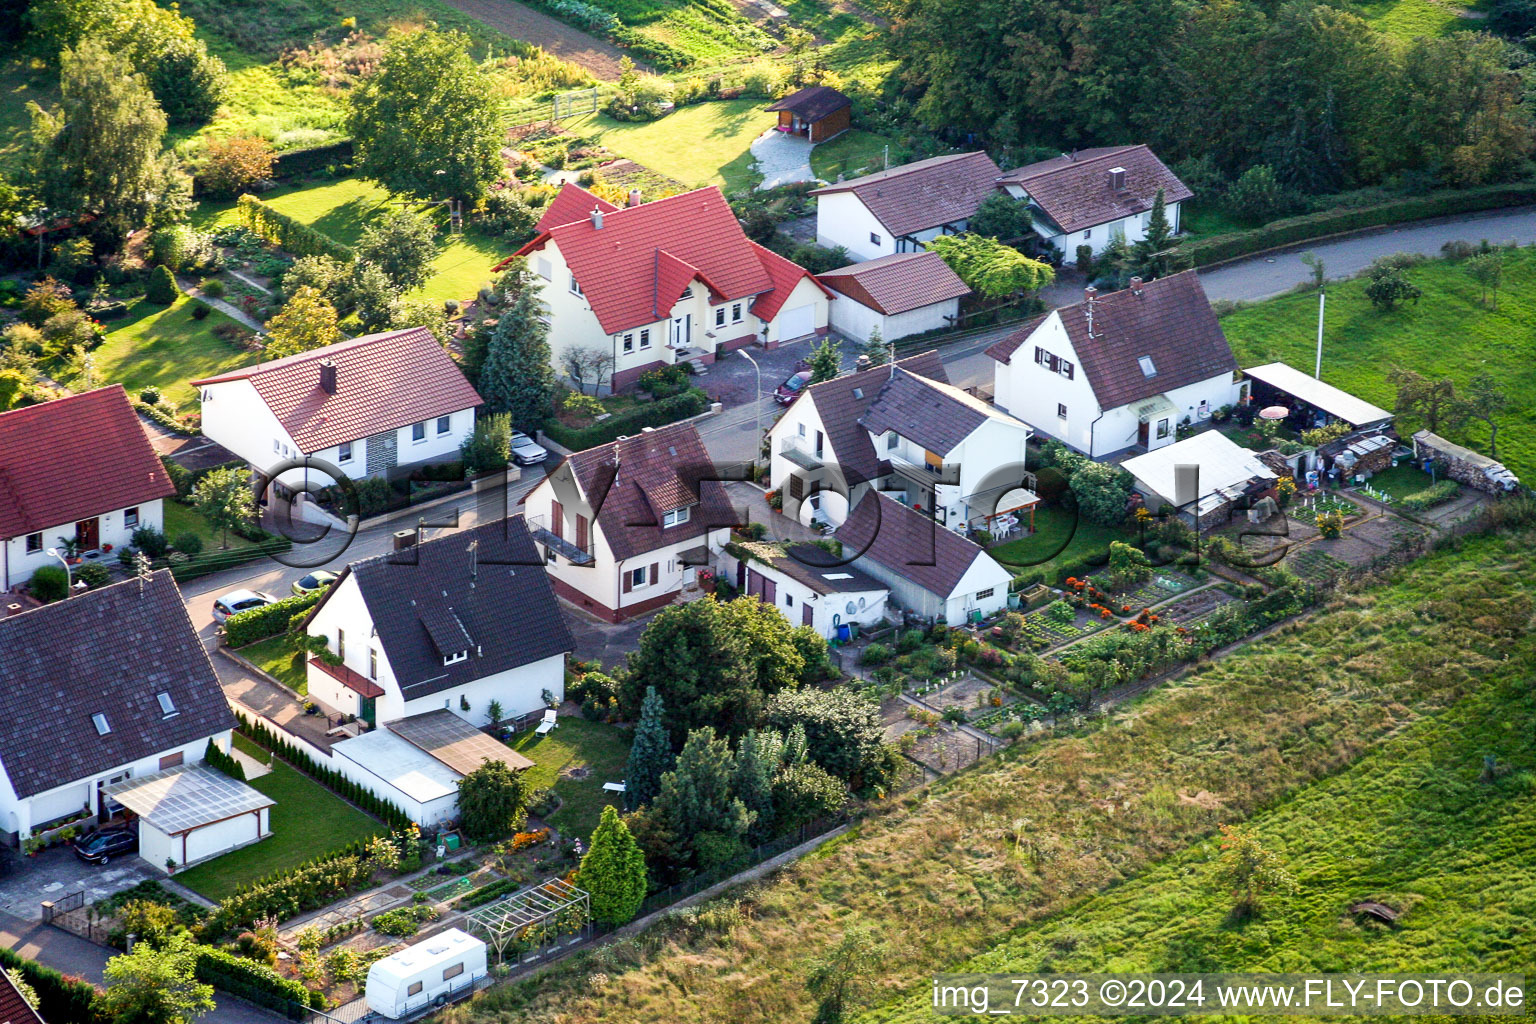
column 906, row 542
column 813, row 103
column 1170, row 321
column 896, row 284
column 805, row 563
column 455, row 742
column 73, row 458
column 13, row 1008
column 634, row 481
column 109, row 651
column 1075, row 193
column 842, row 402
column 925, row 194
column 383, row 382
column 352, row 680
column 935, row 415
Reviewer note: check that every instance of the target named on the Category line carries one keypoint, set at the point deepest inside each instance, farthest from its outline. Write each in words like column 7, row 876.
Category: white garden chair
column 548, row 724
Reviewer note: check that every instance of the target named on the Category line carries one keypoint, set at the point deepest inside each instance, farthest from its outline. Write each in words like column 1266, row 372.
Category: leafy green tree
column 1430, row 399
column 162, row 290
column 713, row 664
column 757, row 761
column 224, row 498
column 826, row 360
column 427, row 122
column 155, row 985
column 1249, row 870
column 1002, row 217
column 803, row 793
column 1314, row 263
column 100, row 153
column 843, row 731
column 306, row 322
column 516, row 376
column 189, row 82
column 1257, row 196
column 1487, row 272
column 990, row 268
column 234, row 163
column 1102, row 492
column 371, row 295
column 402, row 246
column 420, row 312
column 1388, row 285
column 489, row 447
column 613, row 871
column 650, row 755
column 493, row 801
column 841, row 975
column 325, row 274
column 1127, row 564
column 1483, row 401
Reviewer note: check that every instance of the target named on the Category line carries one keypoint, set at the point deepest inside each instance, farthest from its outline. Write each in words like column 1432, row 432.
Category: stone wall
column 1464, row 465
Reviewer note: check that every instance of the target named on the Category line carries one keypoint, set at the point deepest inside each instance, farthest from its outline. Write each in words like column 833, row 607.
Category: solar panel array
column 187, row 797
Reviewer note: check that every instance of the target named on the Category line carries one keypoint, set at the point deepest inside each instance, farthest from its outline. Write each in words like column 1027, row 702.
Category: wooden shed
column 817, row 112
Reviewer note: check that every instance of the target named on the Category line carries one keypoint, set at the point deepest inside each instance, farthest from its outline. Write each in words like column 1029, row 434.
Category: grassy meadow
column 1447, row 333
column 1353, row 712
column 701, row 144
column 165, row 346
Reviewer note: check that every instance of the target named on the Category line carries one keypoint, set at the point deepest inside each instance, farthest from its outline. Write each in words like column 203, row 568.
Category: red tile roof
column 571, row 203
column 785, row 276
column 896, row 284
column 383, row 382
column 1074, row 190
column 1170, row 322
column 13, row 1008
column 73, row 458
column 925, row 194
column 632, row 269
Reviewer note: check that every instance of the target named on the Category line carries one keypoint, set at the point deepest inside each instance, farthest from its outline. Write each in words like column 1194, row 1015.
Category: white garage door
column 797, row 322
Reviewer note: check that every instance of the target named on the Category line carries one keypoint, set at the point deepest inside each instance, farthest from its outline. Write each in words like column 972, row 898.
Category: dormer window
column 892, row 441
column 676, row 516
column 454, row 659
column 167, row 706
column 99, row 720
column 1148, row 368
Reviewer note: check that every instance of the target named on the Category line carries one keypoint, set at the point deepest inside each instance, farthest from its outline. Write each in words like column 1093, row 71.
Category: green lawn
column 576, row 742
column 307, row 821
column 276, row 657
column 855, row 153
column 1404, row 20
column 183, row 519
column 1401, row 481
column 164, row 346
column 701, row 144
column 1060, row 537
column 1449, row 333
column 1199, row 221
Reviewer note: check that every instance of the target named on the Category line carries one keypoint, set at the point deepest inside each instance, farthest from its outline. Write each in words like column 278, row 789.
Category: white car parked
column 237, row 601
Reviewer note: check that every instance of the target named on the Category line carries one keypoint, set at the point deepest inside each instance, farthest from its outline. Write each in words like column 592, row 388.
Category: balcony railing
column 559, row 545
column 799, row 451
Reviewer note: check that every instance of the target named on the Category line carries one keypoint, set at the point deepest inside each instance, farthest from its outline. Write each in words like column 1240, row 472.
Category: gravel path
column 520, row 22
column 782, row 158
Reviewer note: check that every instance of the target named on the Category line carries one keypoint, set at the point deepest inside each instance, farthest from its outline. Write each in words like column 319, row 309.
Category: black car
column 104, row 844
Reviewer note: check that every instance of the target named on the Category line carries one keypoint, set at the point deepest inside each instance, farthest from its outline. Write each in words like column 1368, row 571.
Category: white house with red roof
column 76, row 469
column 366, row 406
column 675, row 280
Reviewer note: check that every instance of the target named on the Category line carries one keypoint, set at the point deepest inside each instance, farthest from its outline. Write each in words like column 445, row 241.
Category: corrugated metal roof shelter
column 1226, row 469
column 187, row 797
column 1337, row 403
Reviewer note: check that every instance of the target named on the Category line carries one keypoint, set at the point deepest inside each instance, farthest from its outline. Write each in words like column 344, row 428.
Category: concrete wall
column 112, row 529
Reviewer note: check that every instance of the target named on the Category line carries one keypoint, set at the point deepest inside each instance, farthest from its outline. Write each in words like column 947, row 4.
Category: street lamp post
column 757, row 412
column 69, row 577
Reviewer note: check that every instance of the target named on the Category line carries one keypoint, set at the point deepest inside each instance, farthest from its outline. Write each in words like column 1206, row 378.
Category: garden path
column 227, row 308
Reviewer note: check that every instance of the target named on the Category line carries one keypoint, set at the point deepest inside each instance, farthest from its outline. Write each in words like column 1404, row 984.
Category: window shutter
column 581, row 532
column 653, row 576
column 1055, row 364
column 1066, row 369
column 628, row 585
column 556, row 519
column 1040, row 356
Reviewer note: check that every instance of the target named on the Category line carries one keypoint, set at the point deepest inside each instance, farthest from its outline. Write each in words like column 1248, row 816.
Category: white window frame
column 629, row 342
column 34, row 543
column 1061, row 411
column 167, row 705
column 130, row 517
column 575, row 287
column 676, row 517
column 373, row 662
column 892, row 441
column 645, row 337
column 736, row 313
column 874, row 238
column 637, row 577
column 99, row 720
column 454, row 659
column 1087, row 234
column 418, row 432
column 1164, row 427
column 444, row 425
column 344, row 452
column 720, row 316
column 982, row 595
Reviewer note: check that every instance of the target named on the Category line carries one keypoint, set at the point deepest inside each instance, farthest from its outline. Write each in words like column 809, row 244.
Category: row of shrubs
column 1437, row 493
column 267, row 621
column 61, row 999
column 655, row 414
column 256, row 983
column 310, row 886
column 1290, row 230
column 258, row 733
column 290, row 235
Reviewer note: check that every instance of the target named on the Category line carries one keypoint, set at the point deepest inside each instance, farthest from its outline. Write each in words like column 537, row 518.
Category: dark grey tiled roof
column 1075, row 191
column 1171, row 321
column 109, row 651
column 842, row 402
column 505, row 605
column 814, row 102
column 906, row 542
column 936, row 416
column 924, row 194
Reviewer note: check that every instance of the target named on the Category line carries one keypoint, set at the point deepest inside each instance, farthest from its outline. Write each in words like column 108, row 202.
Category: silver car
column 526, row 451
column 237, row 601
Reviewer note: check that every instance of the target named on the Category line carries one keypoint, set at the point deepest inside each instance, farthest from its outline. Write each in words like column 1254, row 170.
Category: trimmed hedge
column 62, row 999
column 267, row 621
column 1435, row 494
column 656, row 414
column 1292, row 230
column 256, row 983
column 292, row 236
column 258, row 733
column 294, row 162
column 310, row 886
column 163, row 418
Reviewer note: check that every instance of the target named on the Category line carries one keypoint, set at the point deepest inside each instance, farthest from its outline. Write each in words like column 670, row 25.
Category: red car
column 793, row 388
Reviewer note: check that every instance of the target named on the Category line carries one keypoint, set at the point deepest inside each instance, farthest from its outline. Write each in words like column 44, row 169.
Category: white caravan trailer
column 426, row 975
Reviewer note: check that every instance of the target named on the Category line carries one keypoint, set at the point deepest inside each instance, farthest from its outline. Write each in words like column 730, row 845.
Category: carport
column 191, row 813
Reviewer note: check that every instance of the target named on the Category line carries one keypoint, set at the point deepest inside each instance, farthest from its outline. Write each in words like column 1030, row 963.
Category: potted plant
column 106, row 548
column 170, row 865
column 71, row 548
column 31, row 846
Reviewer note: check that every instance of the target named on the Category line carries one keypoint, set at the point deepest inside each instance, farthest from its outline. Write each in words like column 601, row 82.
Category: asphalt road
column 1264, row 276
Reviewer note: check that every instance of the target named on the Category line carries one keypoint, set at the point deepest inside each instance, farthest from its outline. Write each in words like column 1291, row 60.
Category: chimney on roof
column 1090, row 294
column 597, row 219
column 1117, row 179
column 328, row 376
column 634, row 197
column 1136, row 286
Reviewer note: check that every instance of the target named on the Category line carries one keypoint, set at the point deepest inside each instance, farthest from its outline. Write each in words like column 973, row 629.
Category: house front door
column 807, row 615
column 681, row 330
column 1143, row 433
column 366, row 710
column 88, row 533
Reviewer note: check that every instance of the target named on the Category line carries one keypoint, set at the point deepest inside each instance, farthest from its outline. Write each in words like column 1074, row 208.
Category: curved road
column 1260, row 277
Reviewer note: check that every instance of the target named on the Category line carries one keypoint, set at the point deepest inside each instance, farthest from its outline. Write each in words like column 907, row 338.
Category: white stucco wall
column 1132, row 228
column 854, row 320
column 205, row 843
column 791, row 598
column 843, row 220
column 112, row 529
column 985, row 574
column 235, row 416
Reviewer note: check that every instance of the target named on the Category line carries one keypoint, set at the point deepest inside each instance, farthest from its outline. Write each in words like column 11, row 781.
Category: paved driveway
column 56, row 872
column 782, row 158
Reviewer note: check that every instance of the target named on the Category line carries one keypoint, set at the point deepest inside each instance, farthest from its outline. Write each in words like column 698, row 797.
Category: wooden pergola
column 529, row 923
